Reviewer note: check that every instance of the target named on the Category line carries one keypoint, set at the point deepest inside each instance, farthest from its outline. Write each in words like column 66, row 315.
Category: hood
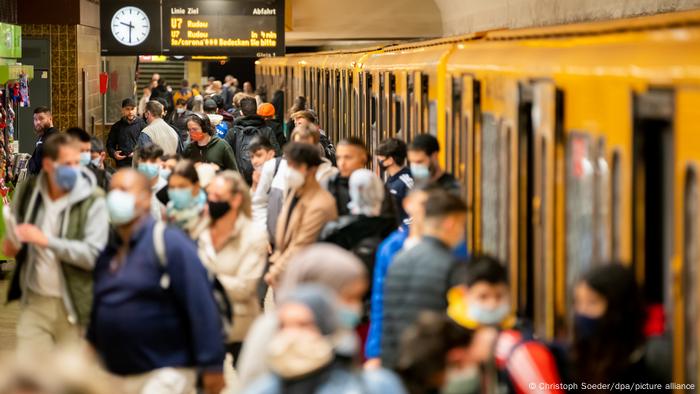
column 84, row 186
column 250, row 121
column 215, row 119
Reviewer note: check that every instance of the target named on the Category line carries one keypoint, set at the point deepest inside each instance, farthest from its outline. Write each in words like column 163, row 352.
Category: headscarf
column 321, row 301
column 324, row 264
column 366, row 193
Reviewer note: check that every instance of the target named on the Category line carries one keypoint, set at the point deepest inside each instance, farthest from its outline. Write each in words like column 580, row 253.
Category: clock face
column 130, row 26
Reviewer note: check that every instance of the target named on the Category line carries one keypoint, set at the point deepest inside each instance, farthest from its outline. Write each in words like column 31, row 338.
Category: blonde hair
column 306, row 131
column 238, row 97
column 238, row 186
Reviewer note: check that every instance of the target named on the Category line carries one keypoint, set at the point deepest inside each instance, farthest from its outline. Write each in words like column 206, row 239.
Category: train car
column 577, row 145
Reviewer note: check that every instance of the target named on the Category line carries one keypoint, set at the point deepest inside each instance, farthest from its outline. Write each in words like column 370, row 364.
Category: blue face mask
column 165, row 173
column 121, row 207
column 420, row 173
column 349, row 318
column 66, row 177
column 181, row 198
column 488, row 317
column 150, row 170
column 85, row 158
column 586, row 327
column 97, row 162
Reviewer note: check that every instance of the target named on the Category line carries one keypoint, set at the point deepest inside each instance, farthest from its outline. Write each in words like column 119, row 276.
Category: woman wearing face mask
column 301, row 355
column 186, row 198
column 235, row 249
column 206, row 147
column 346, row 277
column 609, row 342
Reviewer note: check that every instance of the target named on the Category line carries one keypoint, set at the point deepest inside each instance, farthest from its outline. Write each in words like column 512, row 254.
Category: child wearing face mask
column 516, row 360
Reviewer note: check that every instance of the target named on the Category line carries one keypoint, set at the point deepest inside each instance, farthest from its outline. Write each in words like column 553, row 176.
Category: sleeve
column 374, row 336
column 229, row 158
column 111, row 144
column 83, row 253
column 532, row 362
column 310, row 227
column 244, row 285
column 143, row 140
column 191, row 286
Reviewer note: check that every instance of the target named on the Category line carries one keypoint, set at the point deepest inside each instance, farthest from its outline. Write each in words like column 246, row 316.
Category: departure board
column 223, row 27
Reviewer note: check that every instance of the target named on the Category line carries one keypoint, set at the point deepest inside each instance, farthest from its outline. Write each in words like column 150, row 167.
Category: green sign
column 10, row 41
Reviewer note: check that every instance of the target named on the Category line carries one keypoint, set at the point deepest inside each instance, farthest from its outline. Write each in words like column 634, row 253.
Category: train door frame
column 653, row 135
column 539, row 138
column 691, row 276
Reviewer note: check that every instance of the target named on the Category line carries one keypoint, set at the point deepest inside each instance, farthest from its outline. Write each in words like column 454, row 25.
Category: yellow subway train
column 576, row 145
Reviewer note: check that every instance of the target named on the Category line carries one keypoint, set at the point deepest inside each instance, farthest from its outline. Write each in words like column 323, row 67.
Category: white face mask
column 295, row 353
column 295, row 179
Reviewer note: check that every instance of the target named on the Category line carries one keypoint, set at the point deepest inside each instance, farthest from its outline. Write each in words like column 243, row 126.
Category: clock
column 130, row 26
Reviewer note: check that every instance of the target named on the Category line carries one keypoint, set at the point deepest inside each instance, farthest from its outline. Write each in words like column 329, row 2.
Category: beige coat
column 315, row 208
column 239, row 266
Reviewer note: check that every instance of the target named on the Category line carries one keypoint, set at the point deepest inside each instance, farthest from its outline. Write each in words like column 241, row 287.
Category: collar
column 144, row 224
column 402, row 171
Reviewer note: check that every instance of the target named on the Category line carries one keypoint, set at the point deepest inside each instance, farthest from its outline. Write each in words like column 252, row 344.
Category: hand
column 213, row 382
column 271, row 279
column 8, row 249
column 119, row 156
column 256, row 179
column 269, row 248
column 373, row 363
column 32, row 234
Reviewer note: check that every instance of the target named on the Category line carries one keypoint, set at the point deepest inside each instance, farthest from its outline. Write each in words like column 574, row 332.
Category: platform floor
column 8, row 319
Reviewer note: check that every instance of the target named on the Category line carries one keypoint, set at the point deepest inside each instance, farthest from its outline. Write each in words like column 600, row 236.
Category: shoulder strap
column 159, row 246
column 278, row 160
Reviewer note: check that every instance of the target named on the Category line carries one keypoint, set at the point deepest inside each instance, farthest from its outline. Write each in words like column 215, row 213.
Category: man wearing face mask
column 178, row 120
column 391, row 155
column 306, row 209
column 125, row 135
column 154, row 324
column 425, row 167
column 103, row 172
column 43, row 125
column 419, row 278
column 64, row 226
column 158, row 130
column 149, row 165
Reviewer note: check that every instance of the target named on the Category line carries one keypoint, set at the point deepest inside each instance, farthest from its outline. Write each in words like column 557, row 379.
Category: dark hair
column 79, row 134
column 601, row 358
column 424, row 346
column 162, row 102
column 155, row 108
column 486, row 269
column 128, row 102
column 175, row 156
column 260, row 142
column 195, row 86
column 299, row 105
column 185, row 168
column 300, row 153
column 96, row 145
column 184, row 83
column 55, row 142
column 149, row 152
column 249, row 106
column 42, row 110
column 209, row 105
column 218, row 100
column 356, row 142
column 203, row 122
column 181, row 101
column 394, row 148
column 425, row 143
column 442, row 203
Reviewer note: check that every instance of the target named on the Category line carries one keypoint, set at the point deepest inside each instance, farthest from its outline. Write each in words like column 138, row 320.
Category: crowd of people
column 212, row 231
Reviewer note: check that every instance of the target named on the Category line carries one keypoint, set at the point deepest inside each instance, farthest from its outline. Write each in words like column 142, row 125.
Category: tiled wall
column 73, row 48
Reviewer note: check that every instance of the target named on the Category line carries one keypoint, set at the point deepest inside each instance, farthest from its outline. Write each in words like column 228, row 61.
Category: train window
column 410, row 119
column 455, row 134
column 602, row 206
column 425, row 110
column 616, row 227
column 398, row 116
column 579, row 208
column 382, row 108
column 691, row 257
column 504, row 192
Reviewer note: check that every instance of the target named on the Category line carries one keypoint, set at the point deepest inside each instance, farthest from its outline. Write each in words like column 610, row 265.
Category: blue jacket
column 136, row 326
column 385, row 254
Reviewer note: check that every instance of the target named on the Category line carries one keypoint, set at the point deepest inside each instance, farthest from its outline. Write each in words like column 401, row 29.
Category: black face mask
column 217, row 209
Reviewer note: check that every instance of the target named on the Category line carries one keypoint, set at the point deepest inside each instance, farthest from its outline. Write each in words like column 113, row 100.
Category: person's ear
column 47, row 164
column 237, row 201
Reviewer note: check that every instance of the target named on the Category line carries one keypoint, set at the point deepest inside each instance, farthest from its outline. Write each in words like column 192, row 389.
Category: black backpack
column 242, row 136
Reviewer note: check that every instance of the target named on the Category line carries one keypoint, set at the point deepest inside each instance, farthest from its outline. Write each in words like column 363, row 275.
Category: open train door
column 653, row 213
column 539, row 115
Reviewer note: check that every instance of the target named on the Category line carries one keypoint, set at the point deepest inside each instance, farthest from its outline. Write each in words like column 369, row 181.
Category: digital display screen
column 233, row 28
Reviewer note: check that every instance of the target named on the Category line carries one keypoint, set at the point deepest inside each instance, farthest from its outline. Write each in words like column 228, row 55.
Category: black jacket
column 179, row 123
column 339, row 187
column 417, row 280
column 124, row 136
column 34, row 165
column 278, row 130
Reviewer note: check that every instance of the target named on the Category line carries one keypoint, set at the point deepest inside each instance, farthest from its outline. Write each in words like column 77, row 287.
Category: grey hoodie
column 81, row 253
